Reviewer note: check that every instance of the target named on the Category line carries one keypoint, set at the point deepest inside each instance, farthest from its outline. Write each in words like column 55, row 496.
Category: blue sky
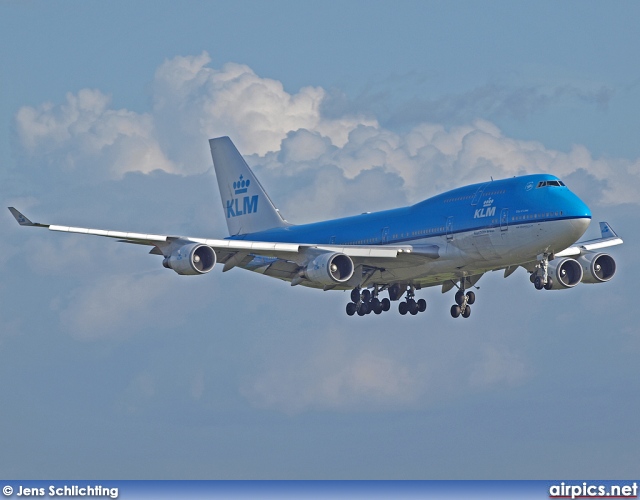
column 117, row 368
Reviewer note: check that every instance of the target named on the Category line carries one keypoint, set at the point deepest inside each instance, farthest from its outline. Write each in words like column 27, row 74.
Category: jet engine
column 565, row 273
column 330, row 268
column 597, row 267
column 191, row 259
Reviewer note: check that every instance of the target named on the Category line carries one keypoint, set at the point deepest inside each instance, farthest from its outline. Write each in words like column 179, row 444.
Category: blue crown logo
column 241, row 185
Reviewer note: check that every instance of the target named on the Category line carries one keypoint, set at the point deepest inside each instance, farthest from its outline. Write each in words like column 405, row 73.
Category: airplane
column 450, row 240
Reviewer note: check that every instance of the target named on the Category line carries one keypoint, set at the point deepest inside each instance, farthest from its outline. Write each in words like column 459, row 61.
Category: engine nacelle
column 565, row 273
column 330, row 268
column 191, row 259
column 597, row 267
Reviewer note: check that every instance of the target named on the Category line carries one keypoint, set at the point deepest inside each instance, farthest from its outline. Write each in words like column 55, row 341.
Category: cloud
column 197, row 102
column 288, row 137
column 114, row 306
column 493, row 101
column 332, row 373
column 338, row 369
column 497, row 366
column 84, row 138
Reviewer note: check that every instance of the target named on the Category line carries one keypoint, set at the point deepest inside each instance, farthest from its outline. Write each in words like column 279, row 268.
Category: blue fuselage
column 493, row 205
column 464, row 232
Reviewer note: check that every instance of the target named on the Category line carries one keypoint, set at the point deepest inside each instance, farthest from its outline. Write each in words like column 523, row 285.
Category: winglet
column 22, row 220
column 606, row 231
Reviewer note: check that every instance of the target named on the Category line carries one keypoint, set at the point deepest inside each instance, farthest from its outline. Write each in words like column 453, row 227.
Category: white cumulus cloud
column 85, row 137
column 288, row 135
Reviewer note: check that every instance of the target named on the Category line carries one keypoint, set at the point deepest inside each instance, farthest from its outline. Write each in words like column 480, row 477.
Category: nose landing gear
column 540, row 277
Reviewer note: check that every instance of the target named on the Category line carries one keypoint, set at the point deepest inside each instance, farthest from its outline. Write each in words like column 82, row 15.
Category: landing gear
column 411, row 305
column 463, row 301
column 540, row 277
column 466, row 312
column 366, row 301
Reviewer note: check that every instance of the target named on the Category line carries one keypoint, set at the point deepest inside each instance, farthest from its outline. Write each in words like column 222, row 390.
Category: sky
column 114, row 367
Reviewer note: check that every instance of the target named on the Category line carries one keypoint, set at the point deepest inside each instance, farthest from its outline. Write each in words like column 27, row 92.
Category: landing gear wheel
column 422, row 305
column 351, row 308
column 366, row 295
column 459, row 297
column 402, row 308
column 363, row 309
column 455, row 311
column 412, row 306
column 466, row 312
column 386, row 304
column 549, row 284
column 355, row 295
column 538, row 283
column 375, row 305
column 471, row 298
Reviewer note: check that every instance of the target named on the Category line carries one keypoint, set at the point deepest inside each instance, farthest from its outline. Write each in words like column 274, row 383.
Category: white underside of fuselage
column 462, row 254
column 475, row 252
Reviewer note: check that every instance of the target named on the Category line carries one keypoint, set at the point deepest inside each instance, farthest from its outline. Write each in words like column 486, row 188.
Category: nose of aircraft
column 577, row 211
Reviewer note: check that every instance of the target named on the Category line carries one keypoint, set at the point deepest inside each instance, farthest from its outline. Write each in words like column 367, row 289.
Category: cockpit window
column 550, row 183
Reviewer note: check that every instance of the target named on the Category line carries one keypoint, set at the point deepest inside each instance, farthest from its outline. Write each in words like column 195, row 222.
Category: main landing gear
column 540, row 277
column 411, row 305
column 463, row 301
column 365, row 301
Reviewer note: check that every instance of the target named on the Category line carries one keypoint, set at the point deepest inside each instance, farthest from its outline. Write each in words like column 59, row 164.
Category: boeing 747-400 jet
column 449, row 240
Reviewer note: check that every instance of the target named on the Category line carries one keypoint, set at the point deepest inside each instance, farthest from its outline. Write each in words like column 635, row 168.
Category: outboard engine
column 191, row 259
column 597, row 267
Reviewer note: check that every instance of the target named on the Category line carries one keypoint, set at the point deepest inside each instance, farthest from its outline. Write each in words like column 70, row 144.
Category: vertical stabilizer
column 246, row 205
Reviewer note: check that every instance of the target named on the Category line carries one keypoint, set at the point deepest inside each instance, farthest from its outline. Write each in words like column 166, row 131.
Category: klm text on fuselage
column 484, row 212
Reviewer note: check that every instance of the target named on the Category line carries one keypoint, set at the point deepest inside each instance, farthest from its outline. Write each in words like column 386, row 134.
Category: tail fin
column 246, row 205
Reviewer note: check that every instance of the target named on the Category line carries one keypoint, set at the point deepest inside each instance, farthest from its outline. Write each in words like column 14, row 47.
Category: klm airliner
column 450, row 240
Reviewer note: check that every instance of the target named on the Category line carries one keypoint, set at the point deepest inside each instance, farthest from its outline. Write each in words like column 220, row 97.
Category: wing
column 608, row 238
column 241, row 252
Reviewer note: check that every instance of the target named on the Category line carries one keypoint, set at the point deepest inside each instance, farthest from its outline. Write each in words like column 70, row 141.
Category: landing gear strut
column 540, row 277
column 463, row 302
